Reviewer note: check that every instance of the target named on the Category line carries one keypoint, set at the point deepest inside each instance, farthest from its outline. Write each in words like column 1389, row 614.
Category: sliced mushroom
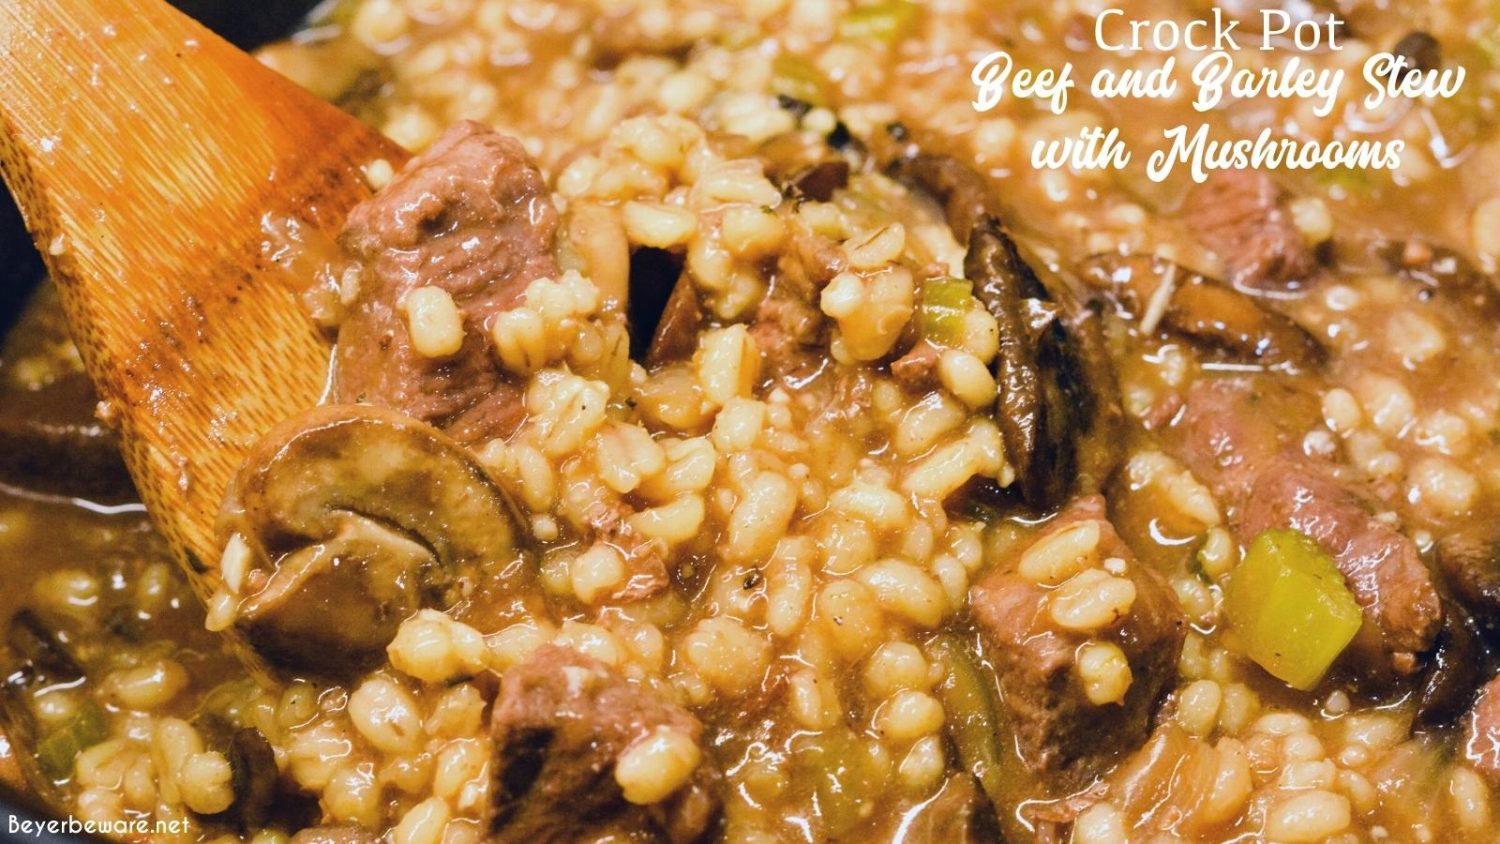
column 252, row 767
column 1058, row 410
column 1036, row 372
column 676, row 334
column 1215, row 315
column 1454, row 669
column 350, row 518
column 961, row 191
column 41, row 649
column 1421, row 51
column 1241, row 216
column 805, row 166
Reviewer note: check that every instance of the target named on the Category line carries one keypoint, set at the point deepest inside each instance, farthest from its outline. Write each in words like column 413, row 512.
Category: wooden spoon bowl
column 176, row 189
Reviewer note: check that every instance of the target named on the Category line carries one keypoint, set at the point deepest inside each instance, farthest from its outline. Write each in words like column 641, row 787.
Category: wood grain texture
column 148, row 156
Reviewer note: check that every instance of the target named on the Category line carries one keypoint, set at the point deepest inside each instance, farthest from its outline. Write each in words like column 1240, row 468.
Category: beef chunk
column 1242, row 436
column 789, row 333
column 1381, row 565
column 560, row 723
column 1055, row 723
column 917, row 369
column 1482, row 732
column 1239, row 215
column 472, row 216
column 607, row 519
column 1231, row 427
column 1470, row 562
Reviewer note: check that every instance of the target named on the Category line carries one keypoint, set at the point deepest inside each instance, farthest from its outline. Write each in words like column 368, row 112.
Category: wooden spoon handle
column 163, row 173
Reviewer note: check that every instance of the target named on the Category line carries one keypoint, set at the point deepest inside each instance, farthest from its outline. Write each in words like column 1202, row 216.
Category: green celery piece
column 844, row 780
column 971, row 721
column 57, row 750
column 1290, row 608
column 886, row 22
column 799, row 79
column 941, row 313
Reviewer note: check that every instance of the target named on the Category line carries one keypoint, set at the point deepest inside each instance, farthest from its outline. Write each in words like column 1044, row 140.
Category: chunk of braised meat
column 1243, row 437
column 787, row 331
column 472, row 216
column 608, row 521
column 1230, row 428
column 1381, row 565
column 1469, row 559
column 1481, row 739
column 809, row 262
column 916, row 370
column 788, row 327
column 560, row 724
column 1225, row 322
column 1056, row 725
column 1239, row 215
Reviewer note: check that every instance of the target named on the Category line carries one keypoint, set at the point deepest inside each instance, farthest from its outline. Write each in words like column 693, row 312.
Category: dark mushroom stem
column 1058, row 411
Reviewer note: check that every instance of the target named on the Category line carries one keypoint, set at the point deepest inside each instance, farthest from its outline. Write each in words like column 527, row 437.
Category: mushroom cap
column 355, row 517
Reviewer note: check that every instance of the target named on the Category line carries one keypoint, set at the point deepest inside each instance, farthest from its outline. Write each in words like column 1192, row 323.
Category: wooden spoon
column 163, row 173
